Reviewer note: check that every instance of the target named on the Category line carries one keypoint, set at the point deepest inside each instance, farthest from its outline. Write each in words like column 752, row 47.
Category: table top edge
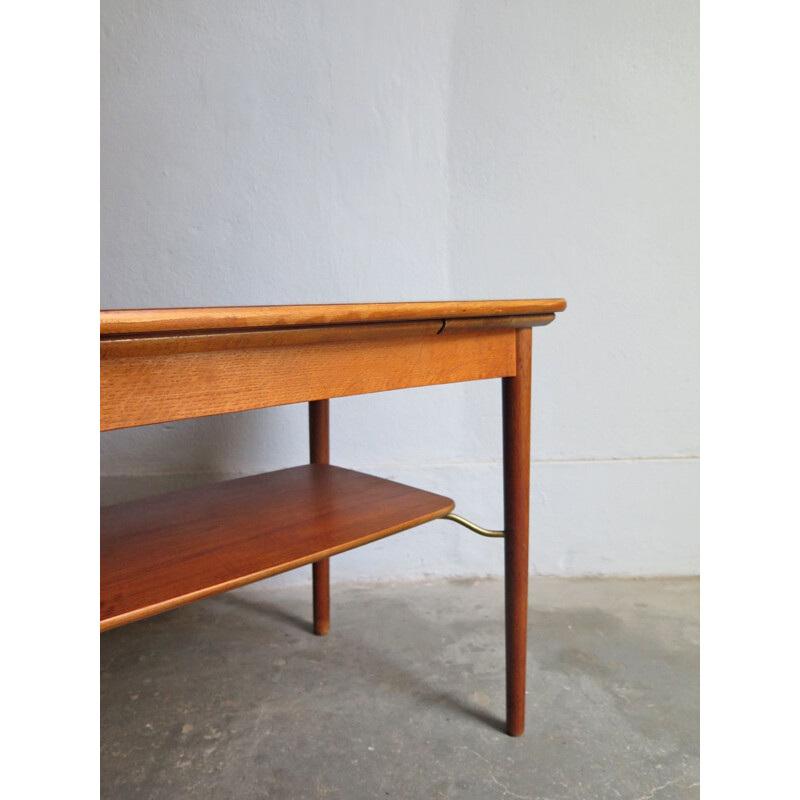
column 157, row 320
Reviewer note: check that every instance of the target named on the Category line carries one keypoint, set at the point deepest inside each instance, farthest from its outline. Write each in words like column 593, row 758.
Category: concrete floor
column 233, row 697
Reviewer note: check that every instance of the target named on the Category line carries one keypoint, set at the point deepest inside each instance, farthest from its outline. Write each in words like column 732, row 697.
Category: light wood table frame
column 161, row 365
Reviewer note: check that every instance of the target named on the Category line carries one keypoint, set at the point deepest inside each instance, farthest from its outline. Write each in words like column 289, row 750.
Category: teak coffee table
column 160, row 365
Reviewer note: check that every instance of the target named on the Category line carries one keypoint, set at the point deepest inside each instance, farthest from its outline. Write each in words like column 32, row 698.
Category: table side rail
column 152, row 380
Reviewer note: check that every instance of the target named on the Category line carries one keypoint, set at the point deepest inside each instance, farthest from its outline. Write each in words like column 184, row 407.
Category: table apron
column 142, row 383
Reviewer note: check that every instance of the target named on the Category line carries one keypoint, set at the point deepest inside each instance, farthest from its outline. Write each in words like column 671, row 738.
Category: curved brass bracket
column 473, row 527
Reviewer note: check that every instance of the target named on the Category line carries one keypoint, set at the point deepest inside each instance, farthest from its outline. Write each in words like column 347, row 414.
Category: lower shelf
column 165, row 551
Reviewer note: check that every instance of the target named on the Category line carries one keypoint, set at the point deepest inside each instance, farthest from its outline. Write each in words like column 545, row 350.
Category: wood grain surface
column 165, row 551
column 180, row 384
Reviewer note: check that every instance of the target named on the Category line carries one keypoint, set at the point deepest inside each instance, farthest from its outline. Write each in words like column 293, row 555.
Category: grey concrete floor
column 234, row 697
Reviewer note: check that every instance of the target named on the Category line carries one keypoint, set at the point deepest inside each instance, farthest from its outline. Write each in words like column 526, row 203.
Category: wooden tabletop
column 162, row 320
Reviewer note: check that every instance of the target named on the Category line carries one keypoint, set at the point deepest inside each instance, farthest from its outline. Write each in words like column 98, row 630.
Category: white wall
column 298, row 152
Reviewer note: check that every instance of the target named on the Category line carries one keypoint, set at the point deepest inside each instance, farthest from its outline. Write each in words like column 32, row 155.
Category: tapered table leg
column 516, row 482
column 318, row 427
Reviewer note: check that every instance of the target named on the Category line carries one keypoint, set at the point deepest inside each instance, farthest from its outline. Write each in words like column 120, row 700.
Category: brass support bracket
column 473, row 527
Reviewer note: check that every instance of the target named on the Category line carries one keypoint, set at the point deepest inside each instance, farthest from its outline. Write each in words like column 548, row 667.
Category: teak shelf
column 216, row 537
column 160, row 365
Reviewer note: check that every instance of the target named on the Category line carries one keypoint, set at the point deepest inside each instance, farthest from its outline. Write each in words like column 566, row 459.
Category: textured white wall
column 273, row 152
